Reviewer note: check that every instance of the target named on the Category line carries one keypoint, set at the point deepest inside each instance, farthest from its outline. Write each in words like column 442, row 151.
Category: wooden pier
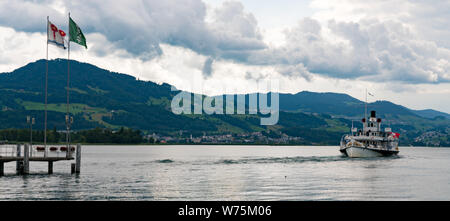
column 11, row 153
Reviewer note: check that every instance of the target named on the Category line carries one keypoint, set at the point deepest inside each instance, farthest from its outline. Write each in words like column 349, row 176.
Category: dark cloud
column 207, row 67
column 410, row 49
column 30, row 16
column 372, row 50
column 295, row 71
column 141, row 26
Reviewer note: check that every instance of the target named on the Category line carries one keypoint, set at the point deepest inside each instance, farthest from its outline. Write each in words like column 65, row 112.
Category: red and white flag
column 55, row 36
column 395, row 135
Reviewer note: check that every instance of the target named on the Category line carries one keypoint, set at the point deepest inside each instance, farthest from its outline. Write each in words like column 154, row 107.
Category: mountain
column 338, row 105
column 100, row 98
column 329, row 103
column 344, row 105
column 429, row 113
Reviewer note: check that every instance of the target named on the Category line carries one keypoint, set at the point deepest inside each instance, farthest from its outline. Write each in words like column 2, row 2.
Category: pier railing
column 8, row 150
column 11, row 150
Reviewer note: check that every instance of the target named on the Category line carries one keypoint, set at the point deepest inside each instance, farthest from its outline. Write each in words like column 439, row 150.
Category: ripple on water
column 165, row 161
column 268, row 160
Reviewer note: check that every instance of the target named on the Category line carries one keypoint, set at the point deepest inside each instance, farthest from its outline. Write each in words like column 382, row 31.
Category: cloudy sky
column 398, row 49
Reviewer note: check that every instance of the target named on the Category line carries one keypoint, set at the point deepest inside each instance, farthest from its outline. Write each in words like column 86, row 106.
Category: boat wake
column 268, row 160
column 283, row 160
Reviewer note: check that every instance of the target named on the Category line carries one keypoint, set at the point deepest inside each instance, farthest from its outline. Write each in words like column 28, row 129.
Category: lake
column 218, row 172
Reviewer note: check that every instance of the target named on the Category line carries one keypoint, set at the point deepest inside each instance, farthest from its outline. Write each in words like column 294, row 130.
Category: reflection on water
column 235, row 173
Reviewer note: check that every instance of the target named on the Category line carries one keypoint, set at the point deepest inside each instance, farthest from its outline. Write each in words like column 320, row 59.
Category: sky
column 399, row 50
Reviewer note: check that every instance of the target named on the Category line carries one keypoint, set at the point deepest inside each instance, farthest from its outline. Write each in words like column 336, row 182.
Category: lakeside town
column 431, row 138
column 243, row 138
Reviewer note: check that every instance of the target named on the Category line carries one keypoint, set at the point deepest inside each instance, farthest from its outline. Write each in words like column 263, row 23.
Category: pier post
column 2, row 168
column 50, row 167
column 78, row 159
column 20, row 167
column 72, row 168
column 18, row 163
column 26, row 159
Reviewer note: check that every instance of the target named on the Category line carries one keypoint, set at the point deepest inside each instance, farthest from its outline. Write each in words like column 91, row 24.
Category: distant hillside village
column 131, row 136
column 244, row 138
column 430, row 138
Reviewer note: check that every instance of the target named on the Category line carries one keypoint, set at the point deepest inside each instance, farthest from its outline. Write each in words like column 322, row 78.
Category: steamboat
column 371, row 141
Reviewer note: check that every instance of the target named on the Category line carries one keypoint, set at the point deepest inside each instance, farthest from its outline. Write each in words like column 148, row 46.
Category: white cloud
column 368, row 49
column 141, row 26
column 19, row 48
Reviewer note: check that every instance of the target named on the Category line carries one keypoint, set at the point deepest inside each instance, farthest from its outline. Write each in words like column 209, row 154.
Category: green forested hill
column 100, row 98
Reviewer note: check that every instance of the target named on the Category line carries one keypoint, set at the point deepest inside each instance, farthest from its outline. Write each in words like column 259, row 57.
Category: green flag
column 75, row 34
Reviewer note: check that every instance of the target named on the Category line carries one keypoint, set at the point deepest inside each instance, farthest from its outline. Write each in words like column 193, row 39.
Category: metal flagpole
column 365, row 108
column 68, row 85
column 366, row 122
column 46, row 88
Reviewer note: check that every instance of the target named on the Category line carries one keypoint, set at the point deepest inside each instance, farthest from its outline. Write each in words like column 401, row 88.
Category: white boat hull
column 356, row 152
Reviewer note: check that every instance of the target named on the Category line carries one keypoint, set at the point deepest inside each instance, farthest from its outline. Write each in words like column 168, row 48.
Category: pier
column 24, row 154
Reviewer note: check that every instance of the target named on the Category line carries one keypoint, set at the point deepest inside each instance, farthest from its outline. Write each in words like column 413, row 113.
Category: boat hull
column 358, row 152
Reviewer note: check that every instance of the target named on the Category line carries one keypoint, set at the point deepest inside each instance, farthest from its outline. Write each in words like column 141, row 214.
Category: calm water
column 235, row 173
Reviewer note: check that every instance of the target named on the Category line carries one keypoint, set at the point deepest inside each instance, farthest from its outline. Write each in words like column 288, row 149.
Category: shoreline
column 204, row 144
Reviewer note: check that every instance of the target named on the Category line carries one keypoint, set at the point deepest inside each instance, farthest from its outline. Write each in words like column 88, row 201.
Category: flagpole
column 365, row 108
column 46, row 88
column 68, row 84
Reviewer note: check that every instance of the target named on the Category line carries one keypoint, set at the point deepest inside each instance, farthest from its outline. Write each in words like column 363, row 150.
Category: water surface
column 235, row 173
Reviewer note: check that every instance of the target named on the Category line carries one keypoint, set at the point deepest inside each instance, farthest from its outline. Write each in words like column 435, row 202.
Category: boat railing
column 369, row 138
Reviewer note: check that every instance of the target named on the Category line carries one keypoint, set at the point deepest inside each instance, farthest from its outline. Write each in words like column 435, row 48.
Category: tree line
column 96, row 135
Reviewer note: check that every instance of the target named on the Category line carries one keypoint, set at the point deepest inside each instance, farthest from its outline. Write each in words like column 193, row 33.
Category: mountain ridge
column 101, row 98
column 429, row 113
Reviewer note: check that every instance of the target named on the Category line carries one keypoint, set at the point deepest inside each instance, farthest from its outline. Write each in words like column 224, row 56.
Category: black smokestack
column 372, row 114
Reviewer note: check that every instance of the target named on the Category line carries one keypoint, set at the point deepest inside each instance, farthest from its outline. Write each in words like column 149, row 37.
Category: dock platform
column 23, row 154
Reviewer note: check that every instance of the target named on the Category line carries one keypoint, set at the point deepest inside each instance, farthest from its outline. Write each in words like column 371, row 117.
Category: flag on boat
column 395, row 135
column 76, row 35
column 370, row 94
column 55, row 36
